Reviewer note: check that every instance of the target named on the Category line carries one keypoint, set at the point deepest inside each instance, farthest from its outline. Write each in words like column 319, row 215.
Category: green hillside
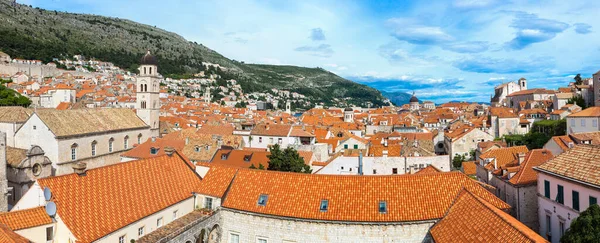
column 33, row 33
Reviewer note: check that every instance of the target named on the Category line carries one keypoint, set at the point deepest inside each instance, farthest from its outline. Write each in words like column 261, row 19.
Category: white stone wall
column 249, row 227
column 149, row 223
column 10, row 129
column 582, row 124
column 383, row 165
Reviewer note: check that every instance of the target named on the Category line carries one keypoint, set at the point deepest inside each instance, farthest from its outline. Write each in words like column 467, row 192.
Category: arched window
column 111, row 141
column 143, row 104
column 140, row 138
column 94, row 143
column 141, row 88
column 150, row 71
column 145, row 87
column 144, row 70
column 126, row 142
column 74, row 151
column 197, row 148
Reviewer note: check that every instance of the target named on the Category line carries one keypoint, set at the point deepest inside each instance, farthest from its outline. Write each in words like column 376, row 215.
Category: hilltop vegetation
column 32, row 33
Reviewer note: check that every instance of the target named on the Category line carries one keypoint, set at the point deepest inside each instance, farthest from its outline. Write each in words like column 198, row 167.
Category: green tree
column 577, row 99
column 578, row 80
column 457, row 160
column 9, row 97
column 287, row 160
column 585, row 228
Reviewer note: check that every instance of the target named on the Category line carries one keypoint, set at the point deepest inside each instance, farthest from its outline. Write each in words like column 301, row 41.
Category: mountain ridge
column 34, row 33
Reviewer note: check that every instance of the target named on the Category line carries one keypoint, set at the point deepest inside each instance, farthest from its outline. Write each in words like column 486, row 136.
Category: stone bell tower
column 148, row 89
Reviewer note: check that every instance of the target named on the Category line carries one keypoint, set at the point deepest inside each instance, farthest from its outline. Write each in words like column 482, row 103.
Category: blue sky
column 443, row 50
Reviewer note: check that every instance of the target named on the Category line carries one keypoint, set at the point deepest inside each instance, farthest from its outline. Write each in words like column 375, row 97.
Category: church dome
column 414, row 98
column 148, row 59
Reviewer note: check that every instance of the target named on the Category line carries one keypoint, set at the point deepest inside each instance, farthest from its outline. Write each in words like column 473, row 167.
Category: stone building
column 516, row 184
column 94, row 136
column 116, row 203
column 3, row 180
column 462, row 140
column 147, row 94
column 567, row 185
column 11, row 119
column 24, row 167
column 414, row 102
column 503, row 90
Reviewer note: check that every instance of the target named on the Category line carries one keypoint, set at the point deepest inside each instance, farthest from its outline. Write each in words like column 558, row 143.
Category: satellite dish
column 47, row 194
column 51, row 209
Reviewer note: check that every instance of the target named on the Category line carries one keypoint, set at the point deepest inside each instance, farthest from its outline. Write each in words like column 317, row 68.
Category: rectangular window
column 394, row 171
column 324, row 205
column 546, row 189
column 49, row 233
column 159, row 222
column 572, row 123
column 262, row 200
column 345, row 146
column 122, row 239
column 208, row 202
column 382, row 206
column 374, row 171
column 355, row 146
column 582, row 122
column 260, row 139
column 279, row 140
column 141, row 231
column 34, row 127
column 560, row 198
column 548, row 227
column 593, row 200
column 270, row 140
column 561, row 228
column 261, row 240
column 175, row 214
column 234, row 238
column 93, row 149
column 126, row 143
column 594, row 123
column 575, row 196
column 73, row 153
column 110, row 146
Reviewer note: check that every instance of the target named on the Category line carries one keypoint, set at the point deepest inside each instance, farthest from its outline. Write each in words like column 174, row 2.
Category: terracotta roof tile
column 469, row 168
column 217, row 180
column 9, row 236
column 27, row 218
column 351, row 198
column 526, row 175
column 503, row 156
column 118, row 195
column 279, row 130
column 593, row 111
column 472, row 219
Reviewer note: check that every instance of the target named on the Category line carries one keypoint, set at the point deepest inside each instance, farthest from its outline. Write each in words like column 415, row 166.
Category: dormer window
column 247, row 157
column 324, row 205
column 382, row 206
column 197, row 149
column 224, row 156
column 153, row 150
column 262, row 200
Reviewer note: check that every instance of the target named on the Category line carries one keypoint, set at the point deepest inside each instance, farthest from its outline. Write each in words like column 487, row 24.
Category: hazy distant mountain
column 398, row 98
column 33, row 33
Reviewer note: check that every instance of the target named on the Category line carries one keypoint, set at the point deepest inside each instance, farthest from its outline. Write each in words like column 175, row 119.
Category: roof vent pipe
column 360, row 163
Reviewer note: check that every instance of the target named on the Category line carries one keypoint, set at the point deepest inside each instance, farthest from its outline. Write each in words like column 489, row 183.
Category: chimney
column 385, row 142
column 495, row 163
column 521, row 158
column 571, row 145
column 169, row 151
column 80, row 168
column 360, row 163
